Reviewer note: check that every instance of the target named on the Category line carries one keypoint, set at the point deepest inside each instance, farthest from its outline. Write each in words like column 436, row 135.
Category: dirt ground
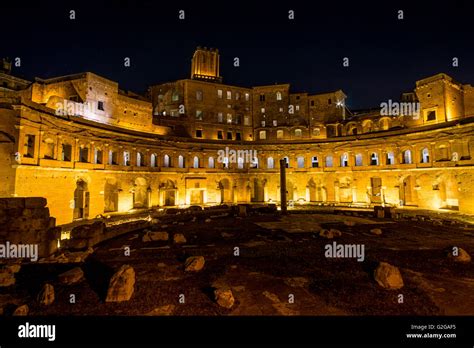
column 280, row 259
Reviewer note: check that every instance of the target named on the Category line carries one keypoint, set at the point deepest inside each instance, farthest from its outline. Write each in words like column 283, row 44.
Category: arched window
column 180, row 161
column 425, row 155
column 153, row 160
column 300, row 161
column 374, row 159
column 139, row 159
column 126, row 158
column 278, row 95
column 211, row 162
column 270, row 163
column 314, row 162
column 263, row 135
column 390, row 158
column 407, row 157
column 359, row 161
column 328, row 161
column 196, row 162
column 279, row 134
column 166, row 161
column 344, row 160
column 298, row 133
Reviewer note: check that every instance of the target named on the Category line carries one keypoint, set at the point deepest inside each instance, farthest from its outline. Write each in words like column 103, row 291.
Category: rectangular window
column 229, row 118
column 98, row 156
column 262, row 110
column 237, row 95
column 275, row 123
column 198, row 133
column 329, row 101
column 247, row 97
column 219, row 93
column 280, row 109
column 84, row 155
column 229, row 135
column 220, row 117
column 297, row 108
column 314, row 162
column 199, row 115
column 229, row 95
column 431, row 115
column 100, row 105
column 312, row 102
column 198, row 95
column 246, row 120
column 66, row 152
column 29, row 149
column 238, row 136
column 263, row 123
column 220, row 135
column 262, row 97
column 263, row 135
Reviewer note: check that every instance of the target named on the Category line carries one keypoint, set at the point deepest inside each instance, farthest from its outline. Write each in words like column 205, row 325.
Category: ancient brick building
column 90, row 148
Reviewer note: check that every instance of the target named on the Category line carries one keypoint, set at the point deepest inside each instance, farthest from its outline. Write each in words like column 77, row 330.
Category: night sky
column 386, row 55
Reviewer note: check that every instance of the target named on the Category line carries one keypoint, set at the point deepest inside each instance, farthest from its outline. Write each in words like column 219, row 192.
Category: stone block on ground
column 150, row 236
column 194, row 264
column 224, row 298
column 388, row 276
column 72, row 276
column 179, row 238
column 122, row 285
column 46, row 295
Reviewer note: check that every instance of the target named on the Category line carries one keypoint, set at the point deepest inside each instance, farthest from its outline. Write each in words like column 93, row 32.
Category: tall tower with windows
column 205, row 65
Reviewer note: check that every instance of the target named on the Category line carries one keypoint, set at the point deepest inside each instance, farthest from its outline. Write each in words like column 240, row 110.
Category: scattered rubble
column 388, row 276
column 72, row 276
column 155, row 236
column 121, row 286
column 21, row 311
column 224, row 298
column 46, row 295
column 462, row 256
column 194, row 264
column 330, row 234
column 179, row 238
column 376, row 231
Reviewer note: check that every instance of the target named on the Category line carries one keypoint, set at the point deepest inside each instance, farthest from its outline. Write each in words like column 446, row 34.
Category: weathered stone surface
column 21, row 311
column 46, row 295
column 330, row 234
column 207, row 220
column 35, row 202
column 179, row 238
column 224, row 298
column 88, row 231
column 162, row 310
column 7, row 278
column 349, row 223
column 194, row 264
column 155, row 236
column 72, row 276
column 13, row 268
column 122, row 285
column 462, row 256
column 376, row 231
column 388, row 276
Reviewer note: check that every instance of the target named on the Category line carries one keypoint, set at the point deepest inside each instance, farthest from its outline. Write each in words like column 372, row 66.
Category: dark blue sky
column 386, row 55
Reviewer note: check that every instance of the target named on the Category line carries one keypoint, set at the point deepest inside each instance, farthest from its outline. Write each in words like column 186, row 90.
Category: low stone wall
column 27, row 221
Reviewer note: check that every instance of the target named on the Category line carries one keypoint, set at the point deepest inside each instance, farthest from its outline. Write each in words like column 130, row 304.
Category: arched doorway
column 111, row 195
column 81, row 200
column 168, row 193
column 407, row 193
column 225, row 191
column 140, row 194
column 258, row 190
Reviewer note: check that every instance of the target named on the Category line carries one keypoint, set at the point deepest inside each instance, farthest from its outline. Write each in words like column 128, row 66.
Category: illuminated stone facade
column 90, row 148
